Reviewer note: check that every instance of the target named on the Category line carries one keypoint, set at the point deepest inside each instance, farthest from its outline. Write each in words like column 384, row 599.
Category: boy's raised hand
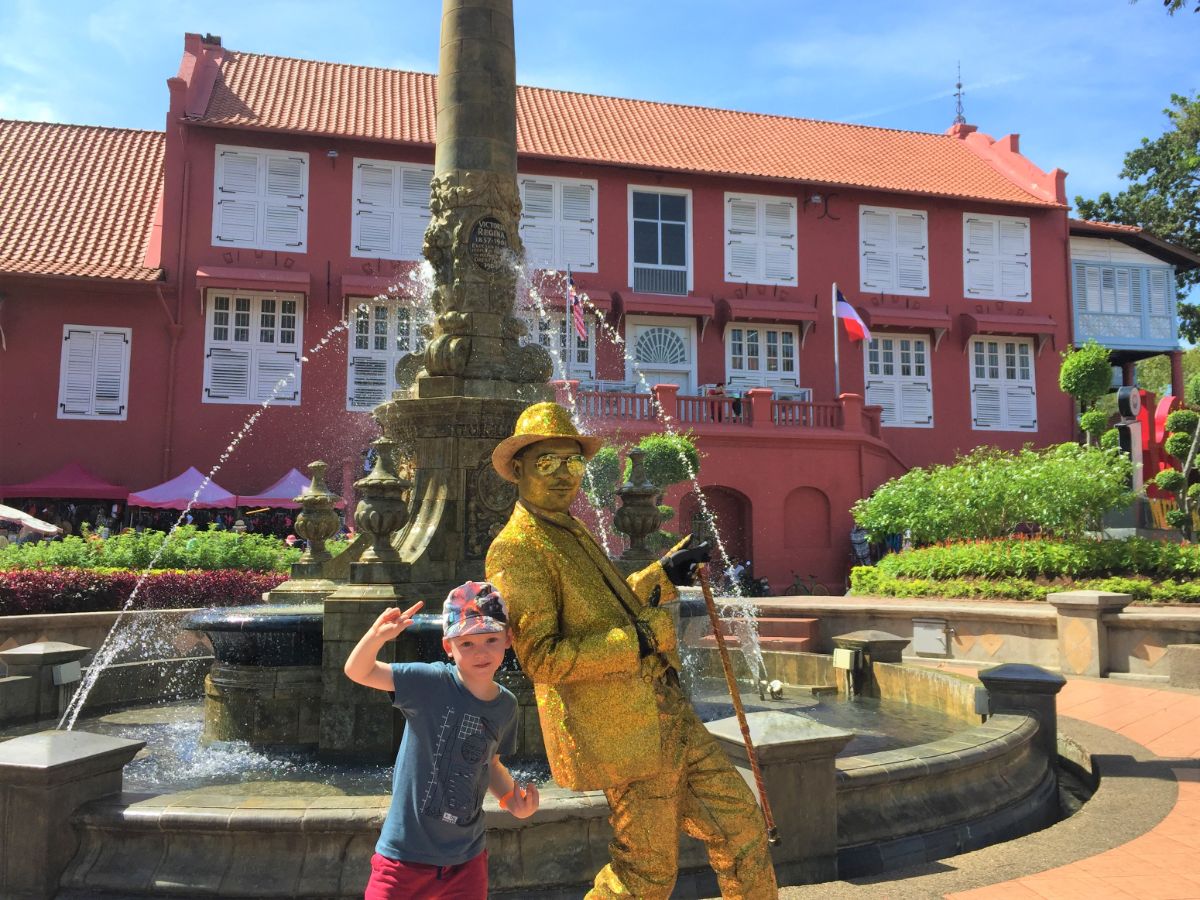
column 525, row 801
column 392, row 621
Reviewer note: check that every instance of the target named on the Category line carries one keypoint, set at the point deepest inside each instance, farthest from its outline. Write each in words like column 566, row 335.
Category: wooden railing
column 798, row 414
column 714, row 410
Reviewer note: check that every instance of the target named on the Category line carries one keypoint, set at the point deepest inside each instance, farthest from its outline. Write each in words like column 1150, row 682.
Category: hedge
column 62, row 590
column 1031, row 568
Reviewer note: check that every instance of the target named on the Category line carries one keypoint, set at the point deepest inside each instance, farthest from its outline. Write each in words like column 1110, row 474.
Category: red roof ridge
column 327, row 62
column 4, row 121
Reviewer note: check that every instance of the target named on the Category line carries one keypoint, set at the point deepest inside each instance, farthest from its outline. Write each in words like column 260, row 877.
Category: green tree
column 1164, row 193
column 1183, row 436
column 1086, row 374
column 1154, row 374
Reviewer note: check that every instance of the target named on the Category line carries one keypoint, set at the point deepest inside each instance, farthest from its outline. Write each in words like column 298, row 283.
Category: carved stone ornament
column 638, row 516
column 318, row 521
column 383, row 509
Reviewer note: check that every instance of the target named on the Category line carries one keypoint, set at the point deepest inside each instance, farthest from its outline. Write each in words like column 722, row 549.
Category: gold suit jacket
column 572, row 616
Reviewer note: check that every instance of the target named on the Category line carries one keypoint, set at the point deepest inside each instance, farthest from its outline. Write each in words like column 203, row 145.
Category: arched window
column 660, row 346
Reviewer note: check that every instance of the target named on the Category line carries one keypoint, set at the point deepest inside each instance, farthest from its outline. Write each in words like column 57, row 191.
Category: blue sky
column 1081, row 82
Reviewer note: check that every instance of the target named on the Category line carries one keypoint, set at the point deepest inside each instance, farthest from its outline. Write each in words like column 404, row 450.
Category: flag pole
column 837, row 369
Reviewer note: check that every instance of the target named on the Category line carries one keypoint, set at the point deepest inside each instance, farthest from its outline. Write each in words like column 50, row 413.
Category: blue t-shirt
column 441, row 777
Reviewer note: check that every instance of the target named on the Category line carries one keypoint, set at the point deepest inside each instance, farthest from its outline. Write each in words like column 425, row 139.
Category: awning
column 252, row 279
column 178, row 493
column 762, row 309
column 282, row 493
column 71, row 482
column 597, row 297
column 1042, row 327
column 376, row 285
column 662, row 305
column 937, row 321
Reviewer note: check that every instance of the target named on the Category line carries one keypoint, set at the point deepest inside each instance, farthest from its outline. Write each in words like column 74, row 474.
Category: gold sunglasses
column 549, row 463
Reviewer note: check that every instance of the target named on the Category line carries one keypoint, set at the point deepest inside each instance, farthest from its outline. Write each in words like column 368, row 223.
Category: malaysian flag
column 575, row 308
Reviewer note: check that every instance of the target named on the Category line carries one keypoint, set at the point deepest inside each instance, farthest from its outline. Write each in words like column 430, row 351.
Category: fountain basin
column 264, row 686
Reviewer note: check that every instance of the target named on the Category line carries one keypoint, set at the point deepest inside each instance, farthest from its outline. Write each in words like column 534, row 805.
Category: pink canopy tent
column 179, row 491
column 72, row 482
column 281, row 493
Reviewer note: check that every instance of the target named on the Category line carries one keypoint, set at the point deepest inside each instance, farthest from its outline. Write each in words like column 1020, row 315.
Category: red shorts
column 395, row 880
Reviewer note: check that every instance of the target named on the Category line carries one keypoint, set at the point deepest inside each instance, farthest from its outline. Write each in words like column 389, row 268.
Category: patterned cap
column 473, row 608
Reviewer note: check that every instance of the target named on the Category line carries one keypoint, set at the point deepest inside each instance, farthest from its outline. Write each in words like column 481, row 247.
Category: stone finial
column 383, row 509
column 638, row 516
column 318, row 521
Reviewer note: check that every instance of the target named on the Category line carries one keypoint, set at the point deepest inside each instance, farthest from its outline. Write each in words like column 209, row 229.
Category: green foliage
column 1178, row 445
column 1086, row 373
column 670, row 459
column 1184, row 420
column 1193, row 493
column 600, row 483
column 1163, row 194
column 1064, row 489
column 1093, row 422
column 185, row 548
column 1177, row 518
column 1029, row 569
column 1170, row 480
column 1110, row 440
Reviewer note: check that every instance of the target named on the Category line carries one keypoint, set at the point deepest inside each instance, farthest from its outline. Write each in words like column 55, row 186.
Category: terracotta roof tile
column 277, row 93
column 77, row 200
column 1084, row 225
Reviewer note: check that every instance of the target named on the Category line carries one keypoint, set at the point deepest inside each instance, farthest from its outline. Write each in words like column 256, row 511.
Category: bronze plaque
column 488, row 244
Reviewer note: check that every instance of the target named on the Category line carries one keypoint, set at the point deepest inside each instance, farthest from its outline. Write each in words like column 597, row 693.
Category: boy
column 458, row 722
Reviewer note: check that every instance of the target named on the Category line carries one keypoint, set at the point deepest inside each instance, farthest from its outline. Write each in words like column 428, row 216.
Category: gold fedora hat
column 540, row 422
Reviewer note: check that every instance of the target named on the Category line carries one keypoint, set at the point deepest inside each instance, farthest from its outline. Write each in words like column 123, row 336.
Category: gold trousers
column 699, row 793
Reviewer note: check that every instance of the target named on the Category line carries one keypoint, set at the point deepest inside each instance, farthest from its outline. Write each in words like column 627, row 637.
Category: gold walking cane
column 727, row 665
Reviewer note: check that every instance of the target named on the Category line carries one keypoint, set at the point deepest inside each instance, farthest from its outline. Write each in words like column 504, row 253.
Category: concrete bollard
column 44, row 779
column 1082, row 634
column 1027, row 690
column 797, row 758
column 41, row 679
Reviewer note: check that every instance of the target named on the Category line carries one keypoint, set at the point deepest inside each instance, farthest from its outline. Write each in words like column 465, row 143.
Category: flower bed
column 62, row 590
column 1031, row 568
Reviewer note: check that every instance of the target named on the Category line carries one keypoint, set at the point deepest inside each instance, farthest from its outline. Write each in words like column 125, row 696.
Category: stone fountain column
column 472, row 381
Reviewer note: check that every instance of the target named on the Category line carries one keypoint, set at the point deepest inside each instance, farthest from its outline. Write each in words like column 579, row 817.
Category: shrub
column 1063, row 490
column 1110, row 440
column 1086, row 373
column 184, row 548
column 1170, row 480
column 1093, row 422
column 62, row 590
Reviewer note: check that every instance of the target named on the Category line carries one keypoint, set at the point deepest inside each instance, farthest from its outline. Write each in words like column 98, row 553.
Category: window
column 260, row 199
column 384, row 332
column 573, row 357
column 391, row 209
column 893, row 251
column 93, row 373
column 659, row 239
column 996, row 257
column 1003, row 395
column 252, row 348
column 760, row 239
column 898, row 380
column 558, row 223
column 761, row 356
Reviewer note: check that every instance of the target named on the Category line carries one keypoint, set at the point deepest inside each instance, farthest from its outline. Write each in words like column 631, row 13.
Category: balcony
column 1125, row 307
column 758, row 413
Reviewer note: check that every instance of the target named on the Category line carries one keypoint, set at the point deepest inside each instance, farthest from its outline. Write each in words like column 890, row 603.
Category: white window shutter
column 284, row 227
column 414, row 189
column 375, row 229
column 743, row 240
column 877, row 248
column 1160, row 293
column 286, row 202
column 538, row 238
column 368, row 381
column 271, row 371
column 111, row 373
column 577, row 203
column 412, row 235
column 1020, row 407
column 916, row 402
column 537, row 199
column 979, row 269
column 987, row 408
column 779, row 241
column 76, row 379
column 884, row 393
column 912, row 252
column 576, row 247
column 743, row 216
column 227, row 375
column 376, row 186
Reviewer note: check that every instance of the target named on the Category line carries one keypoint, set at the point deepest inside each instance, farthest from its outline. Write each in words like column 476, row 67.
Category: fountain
column 308, row 828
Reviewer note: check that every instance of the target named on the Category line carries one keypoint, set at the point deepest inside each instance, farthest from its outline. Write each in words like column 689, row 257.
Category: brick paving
column 1164, row 863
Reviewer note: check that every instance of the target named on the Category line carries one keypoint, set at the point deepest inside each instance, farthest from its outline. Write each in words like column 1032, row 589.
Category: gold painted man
column 601, row 654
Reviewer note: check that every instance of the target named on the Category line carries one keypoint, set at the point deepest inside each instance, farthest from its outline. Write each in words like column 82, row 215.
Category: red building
column 158, row 288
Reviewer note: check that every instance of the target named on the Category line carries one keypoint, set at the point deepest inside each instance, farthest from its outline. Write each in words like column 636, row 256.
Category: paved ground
column 1139, row 836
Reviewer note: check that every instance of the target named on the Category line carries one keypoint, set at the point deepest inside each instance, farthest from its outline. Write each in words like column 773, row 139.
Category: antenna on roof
column 959, row 118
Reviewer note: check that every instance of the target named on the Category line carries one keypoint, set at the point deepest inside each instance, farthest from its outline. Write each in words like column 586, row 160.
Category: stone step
column 767, row 642
column 781, row 626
